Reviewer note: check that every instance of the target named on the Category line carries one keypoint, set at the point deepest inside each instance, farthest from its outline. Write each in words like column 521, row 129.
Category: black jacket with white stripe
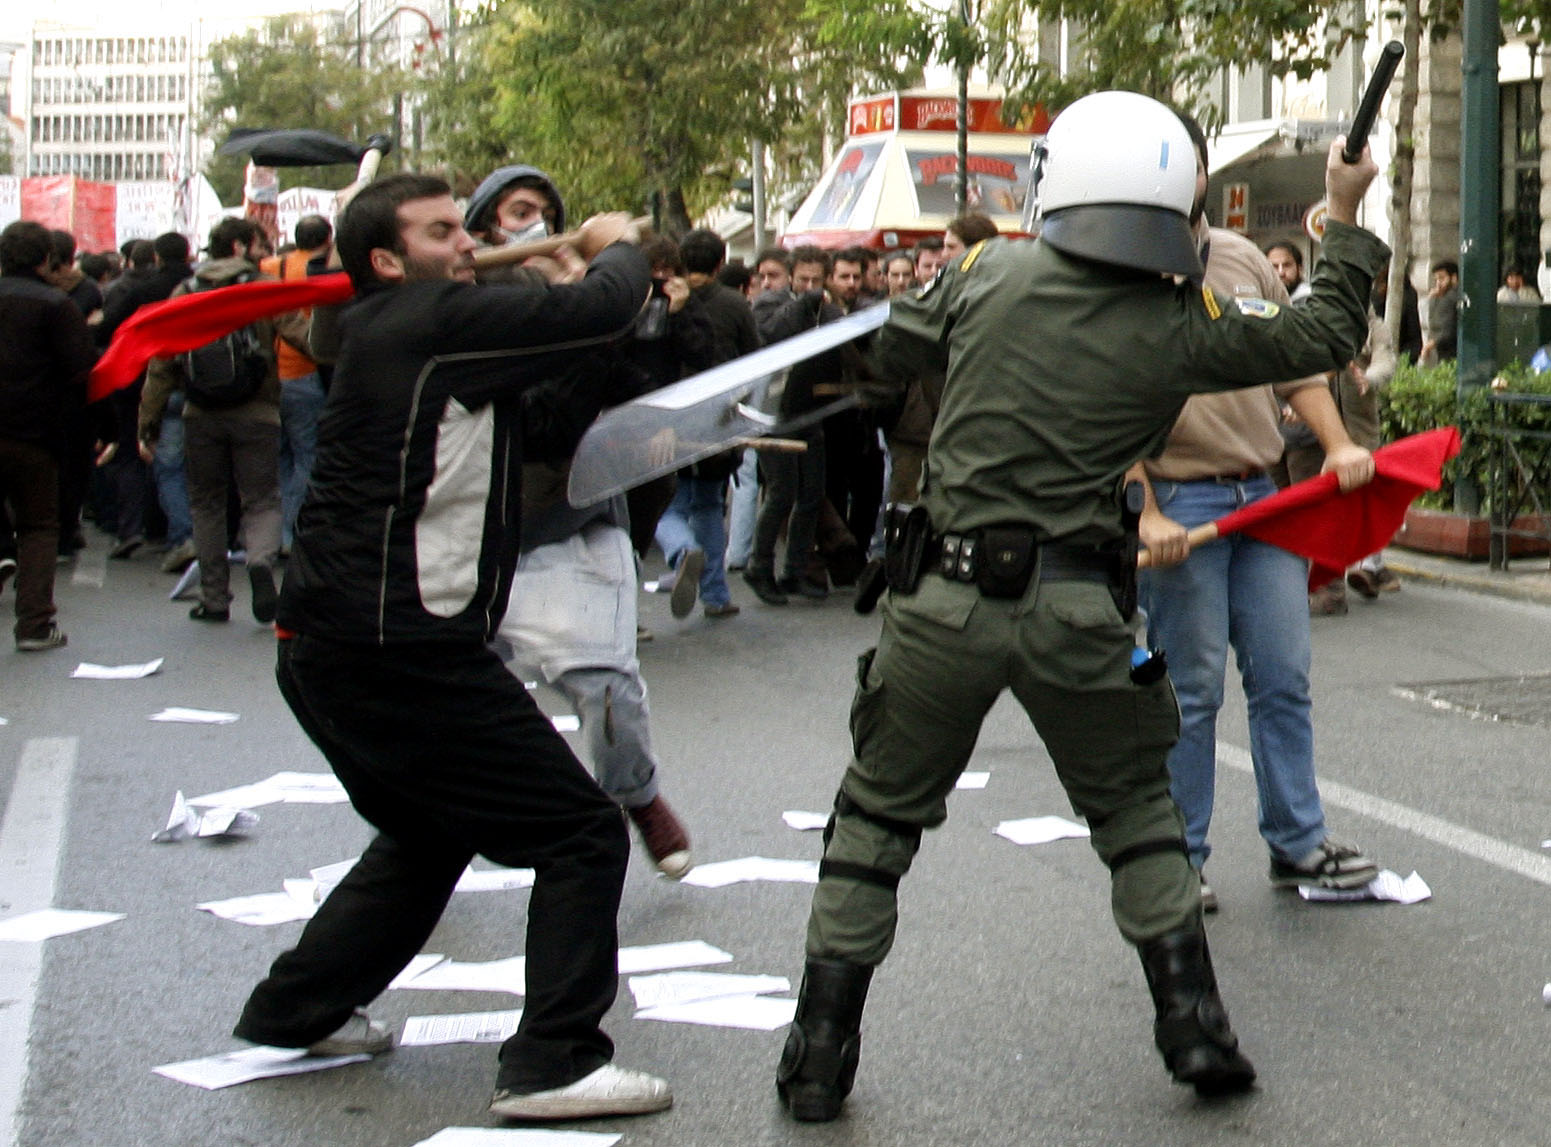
column 410, row 529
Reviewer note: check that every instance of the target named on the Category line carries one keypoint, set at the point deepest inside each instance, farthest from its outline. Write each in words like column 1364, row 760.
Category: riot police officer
column 1067, row 359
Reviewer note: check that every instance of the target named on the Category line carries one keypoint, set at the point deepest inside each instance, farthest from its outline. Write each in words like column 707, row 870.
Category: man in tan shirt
column 1245, row 593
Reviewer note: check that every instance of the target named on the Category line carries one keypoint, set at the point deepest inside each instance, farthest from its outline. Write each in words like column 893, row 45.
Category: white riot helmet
column 1116, row 178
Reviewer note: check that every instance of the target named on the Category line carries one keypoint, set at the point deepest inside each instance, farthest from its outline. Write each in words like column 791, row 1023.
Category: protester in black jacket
column 403, row 557
column 45, row 354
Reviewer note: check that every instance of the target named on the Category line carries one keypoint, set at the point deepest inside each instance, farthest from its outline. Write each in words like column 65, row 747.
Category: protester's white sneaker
column 358, row 1035
column 608, row 1091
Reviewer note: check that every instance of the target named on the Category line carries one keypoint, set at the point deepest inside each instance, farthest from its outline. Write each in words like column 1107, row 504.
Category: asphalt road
column 1010, row 1010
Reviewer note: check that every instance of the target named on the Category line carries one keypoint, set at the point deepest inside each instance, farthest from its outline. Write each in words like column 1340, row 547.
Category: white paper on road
column 494, row 879
column 804, row 821
column 217, row 1071
column 92, row 672
column 677, row 954
column 306, row 788
column 195, row 716
column 265, row 908
column 1040, row 829
column 186, row 583
column 184, row 822
column 47, row 923
column 510, row 974
column 466, row 1027
column 972, row 780
column 289, row 788
column 325, row 878
column 517, row 1137
column 226, row 821
column 670, row 988
column 1386, row 885
column 726, row 872
column 416, row 965
column 566, row 723
column 756, row 1013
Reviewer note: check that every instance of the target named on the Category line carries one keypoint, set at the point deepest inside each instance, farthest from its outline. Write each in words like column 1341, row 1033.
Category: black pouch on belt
column 907, row 529
column 1007, row 560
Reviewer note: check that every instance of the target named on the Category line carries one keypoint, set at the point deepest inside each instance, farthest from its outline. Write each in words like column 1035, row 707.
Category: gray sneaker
column 1330, row 864
column 608, row 1091
column 1208, row 896
column 357, row 1036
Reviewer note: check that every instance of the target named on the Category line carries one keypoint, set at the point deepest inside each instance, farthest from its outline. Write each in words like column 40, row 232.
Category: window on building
column 1518, row 217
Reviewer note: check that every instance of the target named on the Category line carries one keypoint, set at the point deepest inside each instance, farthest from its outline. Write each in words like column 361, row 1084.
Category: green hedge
column 1422, row 398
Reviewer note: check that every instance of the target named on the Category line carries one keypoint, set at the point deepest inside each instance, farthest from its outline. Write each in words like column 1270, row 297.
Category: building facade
column 106, row 107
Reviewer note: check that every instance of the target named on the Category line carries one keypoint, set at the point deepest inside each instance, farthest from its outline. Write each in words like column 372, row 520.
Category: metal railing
column 1520, row 428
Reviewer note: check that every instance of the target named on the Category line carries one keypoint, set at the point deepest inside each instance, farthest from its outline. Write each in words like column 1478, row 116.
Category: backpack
column 229, row 371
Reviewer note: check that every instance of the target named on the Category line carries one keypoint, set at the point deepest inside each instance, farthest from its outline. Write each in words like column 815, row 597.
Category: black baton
column 1368, row 110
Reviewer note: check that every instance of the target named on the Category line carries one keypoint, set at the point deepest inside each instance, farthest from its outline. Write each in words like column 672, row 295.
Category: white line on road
column 30, row 839
column 1509, row 857
column 91, row 568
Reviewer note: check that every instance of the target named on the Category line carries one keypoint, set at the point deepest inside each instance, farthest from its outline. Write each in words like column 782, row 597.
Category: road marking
column 91, row 568
column 1509, row 857
column 30, row 840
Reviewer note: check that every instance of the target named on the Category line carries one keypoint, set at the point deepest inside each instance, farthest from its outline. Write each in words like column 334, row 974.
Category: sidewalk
column 1525, row 579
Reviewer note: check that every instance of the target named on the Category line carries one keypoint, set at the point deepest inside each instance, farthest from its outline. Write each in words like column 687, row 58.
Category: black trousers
column 444, row 752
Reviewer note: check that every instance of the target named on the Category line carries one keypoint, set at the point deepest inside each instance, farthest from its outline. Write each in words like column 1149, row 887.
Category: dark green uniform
column 1061, row 373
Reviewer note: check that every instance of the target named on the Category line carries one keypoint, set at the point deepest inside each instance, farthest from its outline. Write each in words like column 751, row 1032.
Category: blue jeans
column 1253, row 596
column 301, row 401
column 694, row 518
column 171, row 478
column 745, row 509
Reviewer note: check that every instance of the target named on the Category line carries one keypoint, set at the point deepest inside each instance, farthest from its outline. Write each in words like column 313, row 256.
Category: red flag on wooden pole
column 1315, row 520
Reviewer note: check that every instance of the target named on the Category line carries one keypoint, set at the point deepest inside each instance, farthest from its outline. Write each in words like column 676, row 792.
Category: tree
column 634, row 102
column 290, row 74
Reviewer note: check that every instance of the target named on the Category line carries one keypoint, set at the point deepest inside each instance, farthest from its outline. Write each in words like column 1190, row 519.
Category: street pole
column 761, row 210
column 961, row 190
column 1479, row 176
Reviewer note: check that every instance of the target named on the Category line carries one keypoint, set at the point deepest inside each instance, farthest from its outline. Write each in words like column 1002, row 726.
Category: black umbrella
column 299, row 147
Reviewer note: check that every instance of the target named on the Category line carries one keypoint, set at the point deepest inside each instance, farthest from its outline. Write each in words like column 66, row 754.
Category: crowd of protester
column 123, row 463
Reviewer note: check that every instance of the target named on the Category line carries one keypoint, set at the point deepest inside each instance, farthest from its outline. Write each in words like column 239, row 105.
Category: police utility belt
column 1000, row 561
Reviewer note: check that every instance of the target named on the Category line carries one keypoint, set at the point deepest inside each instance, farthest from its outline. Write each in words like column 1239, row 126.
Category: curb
column 1535, row 586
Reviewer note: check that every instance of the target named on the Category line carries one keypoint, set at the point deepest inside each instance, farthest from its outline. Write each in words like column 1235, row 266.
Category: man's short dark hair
column 973, row 227
column 24, row 247
column 930, row 243
column 863, row 257
column 372, row 221
column 171, row 248
column 62, row 244
column 703, row 251
column 811, row 254
column 230, row 237
column 1448, row 265
column 736, row 276
column 777, row 254
column 95, row 267
column 312, row 232
column 896, row 257
column 660, row 251
column 1290, row 248
column 141, row 256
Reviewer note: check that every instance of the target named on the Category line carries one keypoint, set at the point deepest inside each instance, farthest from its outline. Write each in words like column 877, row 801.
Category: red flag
column 1314, row 519
column 188, row 321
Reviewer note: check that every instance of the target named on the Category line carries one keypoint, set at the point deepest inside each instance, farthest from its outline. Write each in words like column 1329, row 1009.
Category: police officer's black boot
column 1192, row 1029
column 818, row 1064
